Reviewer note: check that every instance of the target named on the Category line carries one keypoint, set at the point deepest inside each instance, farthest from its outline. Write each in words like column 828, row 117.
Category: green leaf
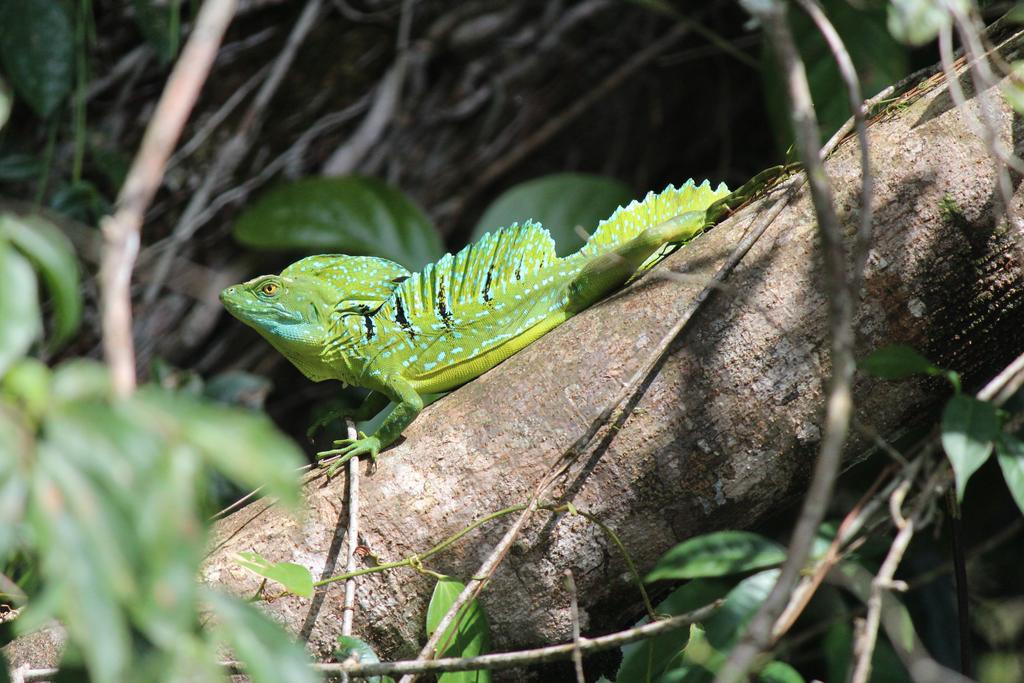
column 561, row 202
column 878, row 58
column 270, row 655
column 36, row 49
column 54, row 257
column 350, row 646
column 472, row 634
column 726, row 624
column 917, row 22
column 969, row 427
column 160, row 26
column 244, row 445
column 19, row 307
column 896, row 362
column 717, row 554
column 294, row 577
column 6, row 102
column 647, row 659
column 352, row 215
column 779, row 672
column 1010, row 453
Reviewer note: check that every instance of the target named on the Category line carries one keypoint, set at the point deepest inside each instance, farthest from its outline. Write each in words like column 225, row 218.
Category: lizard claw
column 350, row 448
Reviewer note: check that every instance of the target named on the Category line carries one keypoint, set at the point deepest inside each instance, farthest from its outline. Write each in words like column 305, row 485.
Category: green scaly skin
column 371, row 323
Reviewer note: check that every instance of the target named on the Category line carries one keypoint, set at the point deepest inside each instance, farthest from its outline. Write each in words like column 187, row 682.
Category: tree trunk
column 724, row 433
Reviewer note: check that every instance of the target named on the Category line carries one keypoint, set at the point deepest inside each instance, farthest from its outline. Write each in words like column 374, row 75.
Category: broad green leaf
column 969, row 427
column 726, row 624
column 878, row 58
column 779, row 672
column 718, row 554
column 294, row 577
column 20, row 323
column 270, row 655
column 647, row 659
column 1010, row 453
column 54, row 257
column 352, row 215
column 36, row 49
column 350, row 646
column 917, row 22
column 244, row 445
column 160, row 26
column 472, row 633
column 896, row 362
column 561, row 202
column 6, row 102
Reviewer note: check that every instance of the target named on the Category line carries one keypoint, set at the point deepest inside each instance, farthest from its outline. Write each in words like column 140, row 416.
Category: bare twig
column 839, row 402
column 856, row 100
column 235, row 149
column 577, row 653
column 508, row 660
column 351, row 542
column 864, row 646
column 352, row 536
column 121, row 231
column 983, row 78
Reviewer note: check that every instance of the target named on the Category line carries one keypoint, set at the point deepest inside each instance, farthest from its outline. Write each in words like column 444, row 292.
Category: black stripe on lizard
column 442, row 305
column 400, row 318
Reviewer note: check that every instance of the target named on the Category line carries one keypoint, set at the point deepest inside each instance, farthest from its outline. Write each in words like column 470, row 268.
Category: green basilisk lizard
column 369, row 322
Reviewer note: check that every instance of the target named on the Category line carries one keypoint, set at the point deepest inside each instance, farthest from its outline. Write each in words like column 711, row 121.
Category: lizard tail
column 629, row 221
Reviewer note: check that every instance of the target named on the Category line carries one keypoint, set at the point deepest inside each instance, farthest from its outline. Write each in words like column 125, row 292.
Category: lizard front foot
column 350, row 448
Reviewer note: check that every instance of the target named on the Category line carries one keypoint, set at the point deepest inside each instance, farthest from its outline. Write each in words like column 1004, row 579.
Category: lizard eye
column 270, row 288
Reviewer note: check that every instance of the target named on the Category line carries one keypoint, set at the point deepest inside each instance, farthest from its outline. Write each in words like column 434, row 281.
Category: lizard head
column 290, row 313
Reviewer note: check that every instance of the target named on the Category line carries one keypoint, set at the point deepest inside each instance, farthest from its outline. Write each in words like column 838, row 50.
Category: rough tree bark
column 725, row 432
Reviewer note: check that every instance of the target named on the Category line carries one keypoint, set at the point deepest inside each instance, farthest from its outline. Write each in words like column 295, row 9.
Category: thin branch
column 235, row 149
column 839, row 402
column 352, row 536
column 508, row 660
column 574, row 612
column 121, row 231
column 864, row 646
column 848, row 73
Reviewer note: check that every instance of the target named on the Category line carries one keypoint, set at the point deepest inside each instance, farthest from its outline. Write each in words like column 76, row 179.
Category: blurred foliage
column 103, row 517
